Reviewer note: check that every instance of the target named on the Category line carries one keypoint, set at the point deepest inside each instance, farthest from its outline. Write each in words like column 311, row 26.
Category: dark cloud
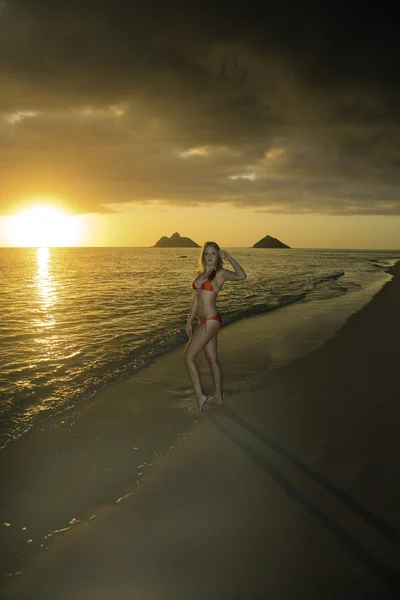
column 286, row 107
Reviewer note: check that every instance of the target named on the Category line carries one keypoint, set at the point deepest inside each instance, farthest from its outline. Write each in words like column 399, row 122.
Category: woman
column 207, row 284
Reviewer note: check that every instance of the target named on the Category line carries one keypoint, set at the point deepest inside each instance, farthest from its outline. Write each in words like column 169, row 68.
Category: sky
column 224, row 121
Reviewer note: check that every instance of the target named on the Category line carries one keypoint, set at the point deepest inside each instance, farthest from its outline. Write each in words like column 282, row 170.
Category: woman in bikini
column 207, row 284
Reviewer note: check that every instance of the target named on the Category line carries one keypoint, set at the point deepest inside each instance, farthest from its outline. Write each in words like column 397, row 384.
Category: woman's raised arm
column 239, row 273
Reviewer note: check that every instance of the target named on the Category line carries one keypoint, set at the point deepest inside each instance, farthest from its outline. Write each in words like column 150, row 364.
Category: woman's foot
column 201, row 401
column 214, row 400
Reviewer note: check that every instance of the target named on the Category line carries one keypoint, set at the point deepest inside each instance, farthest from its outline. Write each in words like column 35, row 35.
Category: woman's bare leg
column 196, row 382
column 210, row 352
column 197, row 342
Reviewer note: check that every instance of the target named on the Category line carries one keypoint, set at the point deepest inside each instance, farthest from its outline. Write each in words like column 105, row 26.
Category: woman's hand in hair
column 224, row 254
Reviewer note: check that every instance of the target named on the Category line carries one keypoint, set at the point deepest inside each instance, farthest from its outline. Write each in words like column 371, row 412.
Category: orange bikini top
column 206, row 285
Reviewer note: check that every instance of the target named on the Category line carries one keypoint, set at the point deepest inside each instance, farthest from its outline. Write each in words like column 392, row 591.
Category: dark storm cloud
column 286, row 107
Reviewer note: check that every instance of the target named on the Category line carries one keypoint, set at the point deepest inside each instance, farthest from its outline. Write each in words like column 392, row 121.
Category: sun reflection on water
column 46, row 289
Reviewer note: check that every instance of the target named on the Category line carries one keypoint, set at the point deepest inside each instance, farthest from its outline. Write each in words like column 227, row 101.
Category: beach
column 290, row 490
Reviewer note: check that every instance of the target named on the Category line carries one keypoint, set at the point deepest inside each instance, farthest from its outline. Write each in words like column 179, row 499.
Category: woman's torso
column 207, row 299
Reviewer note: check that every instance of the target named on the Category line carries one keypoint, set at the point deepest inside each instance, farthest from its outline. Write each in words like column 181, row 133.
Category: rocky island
column 270, row 242
column 175, row 241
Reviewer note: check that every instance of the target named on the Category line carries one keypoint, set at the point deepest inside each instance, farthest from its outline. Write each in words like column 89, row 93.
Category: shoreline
column 269, row 505
column 20, row 425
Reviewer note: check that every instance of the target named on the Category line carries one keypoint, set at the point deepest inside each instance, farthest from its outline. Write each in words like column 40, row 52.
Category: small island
column 175, row 241
column 270, row 242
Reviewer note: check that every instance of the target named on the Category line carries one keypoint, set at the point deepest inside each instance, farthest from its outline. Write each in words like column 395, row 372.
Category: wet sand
column 290, row 490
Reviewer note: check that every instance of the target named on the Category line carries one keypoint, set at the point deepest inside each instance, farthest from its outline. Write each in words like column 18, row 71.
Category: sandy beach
column 288, row 491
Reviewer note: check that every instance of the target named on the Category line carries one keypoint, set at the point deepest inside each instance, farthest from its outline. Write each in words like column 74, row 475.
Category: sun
column 43, row 225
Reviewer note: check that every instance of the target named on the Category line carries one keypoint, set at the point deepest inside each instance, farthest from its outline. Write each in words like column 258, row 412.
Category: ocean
column 76, row 320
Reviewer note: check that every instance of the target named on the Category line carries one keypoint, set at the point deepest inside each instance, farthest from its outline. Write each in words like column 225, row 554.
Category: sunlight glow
column 251, row 176
column 273, row 153
column 43, row 225
column 209, row 151
column 199, row 151
column 93, row 111
column 20, row 116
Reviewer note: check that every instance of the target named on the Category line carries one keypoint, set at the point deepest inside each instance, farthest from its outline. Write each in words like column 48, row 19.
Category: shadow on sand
column 385, row 573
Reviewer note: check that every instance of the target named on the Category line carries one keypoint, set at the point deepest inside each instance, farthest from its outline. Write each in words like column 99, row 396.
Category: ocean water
column 75, row 320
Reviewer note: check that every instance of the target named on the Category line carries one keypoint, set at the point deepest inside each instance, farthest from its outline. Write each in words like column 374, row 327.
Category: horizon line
column 198, row 248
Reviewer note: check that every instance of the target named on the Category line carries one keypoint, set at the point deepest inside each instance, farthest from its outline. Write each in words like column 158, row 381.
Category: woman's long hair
column 202, row 262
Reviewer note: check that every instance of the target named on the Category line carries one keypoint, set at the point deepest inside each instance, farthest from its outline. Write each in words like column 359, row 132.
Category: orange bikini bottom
column 203, row 321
